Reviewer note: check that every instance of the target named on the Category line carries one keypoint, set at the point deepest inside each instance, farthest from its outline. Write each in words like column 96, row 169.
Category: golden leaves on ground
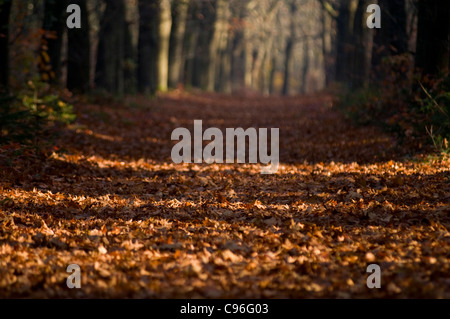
column 140, row 226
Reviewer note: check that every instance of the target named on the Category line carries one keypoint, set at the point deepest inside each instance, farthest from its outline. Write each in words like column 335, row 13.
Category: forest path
column 112, row 201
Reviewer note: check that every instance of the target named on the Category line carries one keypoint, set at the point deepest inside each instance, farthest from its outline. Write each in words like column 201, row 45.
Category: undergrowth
column 31, row 119
column 415, row 108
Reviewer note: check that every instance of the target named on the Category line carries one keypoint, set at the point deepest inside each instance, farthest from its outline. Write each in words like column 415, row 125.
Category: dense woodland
column 87, row 178
column 268, row 46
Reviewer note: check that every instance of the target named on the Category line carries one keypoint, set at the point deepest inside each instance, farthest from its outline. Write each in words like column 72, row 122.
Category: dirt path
column 112, row 201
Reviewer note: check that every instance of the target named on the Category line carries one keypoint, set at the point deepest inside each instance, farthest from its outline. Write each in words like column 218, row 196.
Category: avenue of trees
column 268, row 46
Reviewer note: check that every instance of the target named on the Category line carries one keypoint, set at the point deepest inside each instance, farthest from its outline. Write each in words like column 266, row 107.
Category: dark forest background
column 397, row 74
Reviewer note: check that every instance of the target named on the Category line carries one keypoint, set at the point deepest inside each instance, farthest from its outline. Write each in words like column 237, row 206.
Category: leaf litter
column 139, row 226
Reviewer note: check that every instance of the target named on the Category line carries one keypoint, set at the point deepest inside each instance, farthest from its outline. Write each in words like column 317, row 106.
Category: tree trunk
column 176, row 60
column 267, row 67
column 397, row 24
column 224, row 76
column 54, row 26
column 238, row 60
column 191, row 44
column 225, row 48
column 164, row 29
column 288, row 60
column 78, row 54
column 272, row 75
column 289, row 53
column 224, row 70
column 392, row 38
column 148, row 13
column 5, row 10
column 205, row 18
column 213, row 46
column 258, row 66
column 248, row 62
column 130, row 78
column 363, row 43
column 345, row 41
column 155, row 25
column 327, row 45
column 305, row 67
column 110, row 72
column 432, row 54
column 248, row 48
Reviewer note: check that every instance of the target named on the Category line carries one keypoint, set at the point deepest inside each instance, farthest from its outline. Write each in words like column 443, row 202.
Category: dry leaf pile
column 111, row 200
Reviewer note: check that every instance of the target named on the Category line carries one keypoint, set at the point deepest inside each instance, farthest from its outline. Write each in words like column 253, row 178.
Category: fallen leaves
column 140, row 226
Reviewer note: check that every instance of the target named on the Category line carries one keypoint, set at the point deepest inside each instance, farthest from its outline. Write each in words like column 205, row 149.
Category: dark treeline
column 270, row 46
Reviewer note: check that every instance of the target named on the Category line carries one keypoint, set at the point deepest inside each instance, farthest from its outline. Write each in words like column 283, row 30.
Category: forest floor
column 110, row 200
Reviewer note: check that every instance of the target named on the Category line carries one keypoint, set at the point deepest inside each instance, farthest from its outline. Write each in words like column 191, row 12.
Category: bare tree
column 155, row 24
column 176, row 60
